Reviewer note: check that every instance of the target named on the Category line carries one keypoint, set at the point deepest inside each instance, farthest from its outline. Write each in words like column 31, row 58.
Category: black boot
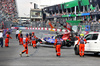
column 36, row 47
column 57, row 55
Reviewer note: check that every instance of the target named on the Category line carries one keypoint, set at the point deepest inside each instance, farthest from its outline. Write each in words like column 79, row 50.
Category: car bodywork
column 65, row 38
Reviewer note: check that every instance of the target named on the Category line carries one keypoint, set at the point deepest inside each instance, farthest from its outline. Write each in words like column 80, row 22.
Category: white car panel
column 93, row 44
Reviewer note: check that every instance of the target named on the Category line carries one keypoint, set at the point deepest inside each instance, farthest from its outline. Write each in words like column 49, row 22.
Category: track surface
column 43, row 56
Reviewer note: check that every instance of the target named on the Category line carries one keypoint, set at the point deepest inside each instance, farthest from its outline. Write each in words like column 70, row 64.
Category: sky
column 24, row 6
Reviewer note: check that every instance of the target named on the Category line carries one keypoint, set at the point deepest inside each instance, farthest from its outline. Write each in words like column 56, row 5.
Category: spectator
column 99, row 20
column 8, row 10
column 17, row 32
column 1, row 38
column 2, row 24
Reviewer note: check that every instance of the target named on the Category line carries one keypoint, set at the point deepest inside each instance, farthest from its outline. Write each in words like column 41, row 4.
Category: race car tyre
column 76, row 49
column 68, row 44
column 61, row 46
column 63, row 43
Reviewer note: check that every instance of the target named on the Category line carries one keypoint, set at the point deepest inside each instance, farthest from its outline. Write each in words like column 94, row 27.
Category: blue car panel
column 50, row 39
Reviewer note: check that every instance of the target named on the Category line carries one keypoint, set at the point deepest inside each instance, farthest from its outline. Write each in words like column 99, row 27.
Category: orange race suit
column 21, row 39
column 7, row 40
column 58, row 44
column 25, row 44
column 81, row 42
column 34, row 41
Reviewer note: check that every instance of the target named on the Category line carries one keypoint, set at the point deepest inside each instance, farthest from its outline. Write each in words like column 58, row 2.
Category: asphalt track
column 44, row 55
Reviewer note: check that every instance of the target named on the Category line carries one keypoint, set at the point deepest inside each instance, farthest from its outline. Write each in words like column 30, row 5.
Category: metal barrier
column 57, row 25
column 83, row 26
column 45, row 24
column 89, row 26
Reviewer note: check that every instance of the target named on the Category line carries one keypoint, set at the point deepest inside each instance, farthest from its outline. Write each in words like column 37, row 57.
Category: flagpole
column 75, row 12
column 78, row 7
column 66, row 11
column 51, row 13
column 62, row 9
column 58, row 11
column 87, row 8
column 83, row 9
column 71, row 10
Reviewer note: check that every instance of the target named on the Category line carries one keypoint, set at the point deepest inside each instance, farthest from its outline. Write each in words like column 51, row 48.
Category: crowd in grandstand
column 8, row 10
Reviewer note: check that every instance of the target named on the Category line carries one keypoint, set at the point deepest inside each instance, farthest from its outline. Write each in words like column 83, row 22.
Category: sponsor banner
column 59, row 30
column 22, row 27
column 84, row 14
column 33, row 28
column 49, row 28
column 39, row 29
column 55, row 29
column 63, row 30
column 26, row 28
column 19, row 27
column 12, row 27
column 45, row 29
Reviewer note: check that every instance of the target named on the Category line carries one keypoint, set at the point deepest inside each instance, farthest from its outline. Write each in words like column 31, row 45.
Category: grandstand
column 8, row 12
column 76, row 12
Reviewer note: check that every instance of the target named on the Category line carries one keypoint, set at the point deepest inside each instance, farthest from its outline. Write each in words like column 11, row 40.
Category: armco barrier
column 40, row 28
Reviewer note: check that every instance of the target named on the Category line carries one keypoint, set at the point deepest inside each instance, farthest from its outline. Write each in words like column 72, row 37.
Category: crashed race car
column 66, row 40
